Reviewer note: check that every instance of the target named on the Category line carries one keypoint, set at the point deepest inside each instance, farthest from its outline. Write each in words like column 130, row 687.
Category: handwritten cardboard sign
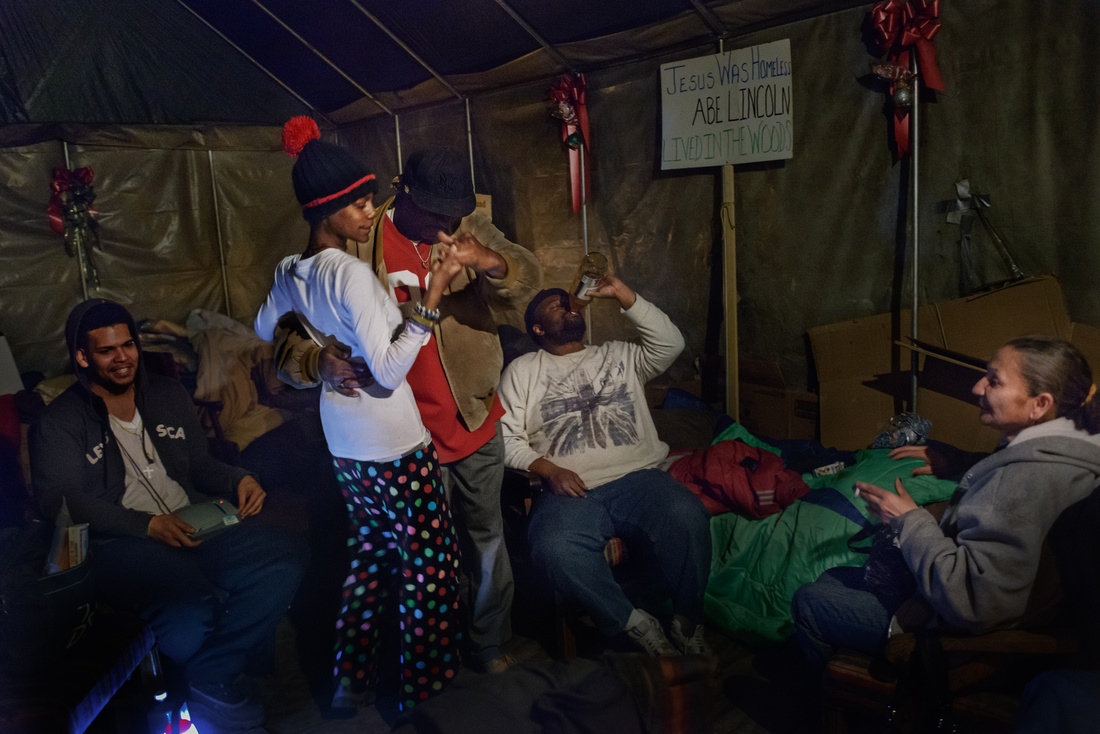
column 732, row 107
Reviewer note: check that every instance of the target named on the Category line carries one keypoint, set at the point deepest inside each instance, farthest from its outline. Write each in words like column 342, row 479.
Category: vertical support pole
column 218, row 229
column 729, row 258
column 78, row 238
column 397, row 137
column 82, row 261
column 914, row 136
column 584, row 203
column 470, row 142
column 730, row 298
column 584, row 236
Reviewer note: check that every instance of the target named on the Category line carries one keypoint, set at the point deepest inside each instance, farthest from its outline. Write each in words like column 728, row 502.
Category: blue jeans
column 1066, row 701
column 208, row 606
column 663, row 525
column 838, row 611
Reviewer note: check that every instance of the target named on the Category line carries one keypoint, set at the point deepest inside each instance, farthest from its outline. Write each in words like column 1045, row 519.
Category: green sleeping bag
column 757, row 564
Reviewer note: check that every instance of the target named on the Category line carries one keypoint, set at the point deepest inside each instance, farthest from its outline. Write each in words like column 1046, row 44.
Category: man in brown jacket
column 454, row 378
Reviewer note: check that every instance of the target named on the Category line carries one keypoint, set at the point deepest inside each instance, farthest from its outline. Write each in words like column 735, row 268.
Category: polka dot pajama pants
column 404, row 567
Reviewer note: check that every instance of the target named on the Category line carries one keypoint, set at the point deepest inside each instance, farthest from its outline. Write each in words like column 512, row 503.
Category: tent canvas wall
column 186, row 220
column 820, row 236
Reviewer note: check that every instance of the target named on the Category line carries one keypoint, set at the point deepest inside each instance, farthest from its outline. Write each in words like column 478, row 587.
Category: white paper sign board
column 732, row 107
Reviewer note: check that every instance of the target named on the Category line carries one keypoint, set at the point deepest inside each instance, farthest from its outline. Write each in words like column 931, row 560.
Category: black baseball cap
column 439, row 181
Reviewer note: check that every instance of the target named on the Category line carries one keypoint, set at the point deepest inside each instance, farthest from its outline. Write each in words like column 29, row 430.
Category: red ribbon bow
column 64, row 180
column 568, row 94
column 901, row 26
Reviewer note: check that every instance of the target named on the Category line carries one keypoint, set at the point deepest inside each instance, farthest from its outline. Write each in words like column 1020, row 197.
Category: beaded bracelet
column 427, row 324
column 431, row 314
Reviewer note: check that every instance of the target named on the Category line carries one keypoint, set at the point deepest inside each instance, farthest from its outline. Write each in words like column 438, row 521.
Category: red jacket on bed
column 732, row 476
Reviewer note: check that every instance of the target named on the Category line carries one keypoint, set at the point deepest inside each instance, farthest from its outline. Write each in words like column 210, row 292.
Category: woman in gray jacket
column 977, row 569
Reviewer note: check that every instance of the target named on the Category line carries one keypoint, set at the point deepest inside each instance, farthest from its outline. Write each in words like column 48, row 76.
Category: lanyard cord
column 140, row 475
column 139, row 432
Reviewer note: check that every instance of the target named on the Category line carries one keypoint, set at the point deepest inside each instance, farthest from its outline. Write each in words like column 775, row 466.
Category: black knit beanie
column 326, row 177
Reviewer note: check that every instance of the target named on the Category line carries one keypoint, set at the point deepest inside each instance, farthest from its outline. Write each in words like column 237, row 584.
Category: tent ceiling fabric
column 126, row 62
column 326, row 56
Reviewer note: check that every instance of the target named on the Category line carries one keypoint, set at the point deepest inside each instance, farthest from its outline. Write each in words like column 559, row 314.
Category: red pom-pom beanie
column 326, row 177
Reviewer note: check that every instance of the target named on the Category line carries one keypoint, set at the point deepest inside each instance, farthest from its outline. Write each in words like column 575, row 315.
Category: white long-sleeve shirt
column 587, row 411
column 341, row 297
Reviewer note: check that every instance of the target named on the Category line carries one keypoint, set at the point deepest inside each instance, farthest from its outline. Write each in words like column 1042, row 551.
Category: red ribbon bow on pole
column 568, row 94
column 902, row 26
column 67, row 187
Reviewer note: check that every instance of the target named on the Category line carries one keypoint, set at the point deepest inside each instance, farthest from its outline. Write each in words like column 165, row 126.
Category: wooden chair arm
column 1026, row 642
column 520, row 485
column 1008, row 642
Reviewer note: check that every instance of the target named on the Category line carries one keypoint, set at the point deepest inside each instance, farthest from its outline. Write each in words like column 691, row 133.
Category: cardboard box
column 769, row 409
column 1087, row 339
column 865, row 378
column 657, row 388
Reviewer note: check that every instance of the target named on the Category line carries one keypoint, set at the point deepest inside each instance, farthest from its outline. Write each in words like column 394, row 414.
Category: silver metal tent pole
column 258, row 65
column 914, row 136
column 80, row 253
column 535, row 35
column 427, row 67
column 321, row 56
column 405, row 47
column 470, row 143
column 584, row 200
column 584, row 234
column 397, row 135
column 710, row 19
column 218, row 229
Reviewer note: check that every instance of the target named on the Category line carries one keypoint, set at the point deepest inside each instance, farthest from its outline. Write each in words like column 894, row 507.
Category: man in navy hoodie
column 124, row 450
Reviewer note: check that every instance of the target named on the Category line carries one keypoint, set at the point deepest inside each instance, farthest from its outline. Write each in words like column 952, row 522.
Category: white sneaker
column 646, row 632
column 345, row 698
column 695, row 644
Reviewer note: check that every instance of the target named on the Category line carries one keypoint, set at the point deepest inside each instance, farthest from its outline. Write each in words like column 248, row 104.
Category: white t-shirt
column 148, row 486
column 586, row 411
column 341, row 297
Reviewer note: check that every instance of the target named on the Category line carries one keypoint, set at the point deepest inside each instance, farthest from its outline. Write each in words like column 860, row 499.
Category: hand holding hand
column 449, row 264
column 250, row 497
column 473, row 254
column 172, row 531
column 444, row 269
column 340, row 373
column 883, row 505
